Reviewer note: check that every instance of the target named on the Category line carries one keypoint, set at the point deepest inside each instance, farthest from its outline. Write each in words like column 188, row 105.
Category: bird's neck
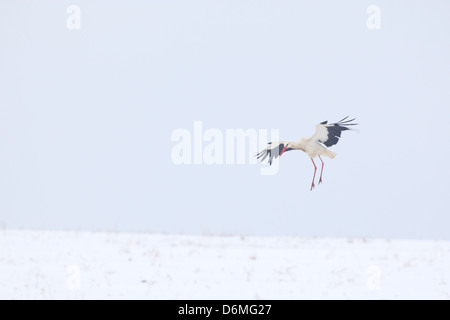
column 299, row 145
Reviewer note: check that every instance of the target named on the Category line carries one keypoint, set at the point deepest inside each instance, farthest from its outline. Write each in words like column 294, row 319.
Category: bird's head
column 286, row 147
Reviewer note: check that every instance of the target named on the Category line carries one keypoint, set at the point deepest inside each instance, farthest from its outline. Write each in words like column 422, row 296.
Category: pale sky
column 87, row 115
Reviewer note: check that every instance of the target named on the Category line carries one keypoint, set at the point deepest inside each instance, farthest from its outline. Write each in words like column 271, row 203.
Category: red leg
column 321, row 171
column 314, row 176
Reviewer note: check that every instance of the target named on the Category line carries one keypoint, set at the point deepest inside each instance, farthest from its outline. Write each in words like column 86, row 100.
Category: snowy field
column 81, row 265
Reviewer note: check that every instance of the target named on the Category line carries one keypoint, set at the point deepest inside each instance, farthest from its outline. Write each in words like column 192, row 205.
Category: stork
column 326, row 135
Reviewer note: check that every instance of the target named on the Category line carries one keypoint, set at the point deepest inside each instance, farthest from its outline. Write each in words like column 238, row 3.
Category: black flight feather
column 335, row 130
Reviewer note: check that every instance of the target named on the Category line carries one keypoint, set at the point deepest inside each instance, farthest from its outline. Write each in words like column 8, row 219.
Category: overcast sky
column 87, row 115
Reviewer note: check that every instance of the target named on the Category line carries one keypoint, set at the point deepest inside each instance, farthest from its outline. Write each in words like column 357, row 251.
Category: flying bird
column 327, row 135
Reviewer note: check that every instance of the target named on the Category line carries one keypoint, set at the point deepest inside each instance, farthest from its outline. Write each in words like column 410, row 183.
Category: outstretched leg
column 321, row 171
column 314, row 176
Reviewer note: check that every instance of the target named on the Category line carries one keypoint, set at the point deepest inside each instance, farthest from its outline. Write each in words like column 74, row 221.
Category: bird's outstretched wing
column 329, row 133
column 272, row 151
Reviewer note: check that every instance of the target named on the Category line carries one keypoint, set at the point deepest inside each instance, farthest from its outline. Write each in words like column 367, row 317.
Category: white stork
column 327, row 135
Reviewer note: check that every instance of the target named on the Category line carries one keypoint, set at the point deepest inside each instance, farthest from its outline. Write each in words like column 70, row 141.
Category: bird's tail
column 329, row 154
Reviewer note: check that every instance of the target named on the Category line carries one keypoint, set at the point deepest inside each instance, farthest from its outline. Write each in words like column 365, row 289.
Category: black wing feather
column 335, row 130
column 271, row 152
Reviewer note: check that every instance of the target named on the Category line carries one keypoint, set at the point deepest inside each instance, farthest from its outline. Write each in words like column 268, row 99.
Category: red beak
column 282, row 151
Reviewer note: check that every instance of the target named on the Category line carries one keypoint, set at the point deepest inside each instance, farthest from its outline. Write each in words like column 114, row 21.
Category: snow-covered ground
column 82, row 265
